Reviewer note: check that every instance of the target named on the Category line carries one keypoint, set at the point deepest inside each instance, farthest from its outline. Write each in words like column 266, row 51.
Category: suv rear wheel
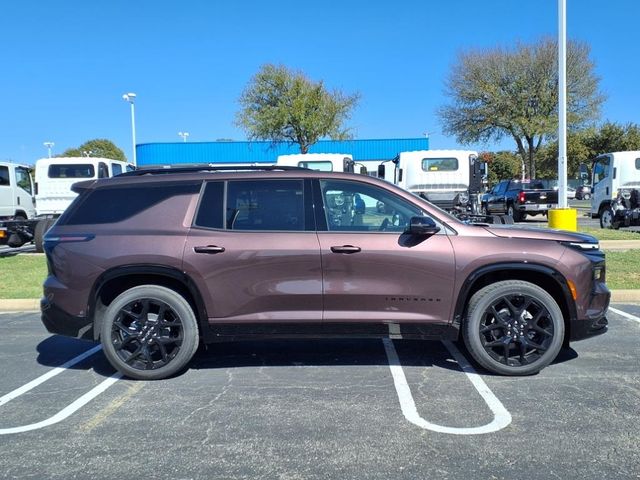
column 149, row 332
column 513, row 328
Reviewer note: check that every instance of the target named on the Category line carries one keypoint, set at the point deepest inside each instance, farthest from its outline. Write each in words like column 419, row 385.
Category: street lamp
column 49, row 146
column 184, row 135
column 131, row 98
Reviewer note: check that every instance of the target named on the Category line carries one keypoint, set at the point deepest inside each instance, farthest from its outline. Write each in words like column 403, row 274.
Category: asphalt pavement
column 317, row 410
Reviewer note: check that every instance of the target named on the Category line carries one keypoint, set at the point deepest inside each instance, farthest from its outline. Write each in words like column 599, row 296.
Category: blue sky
column 66, row 64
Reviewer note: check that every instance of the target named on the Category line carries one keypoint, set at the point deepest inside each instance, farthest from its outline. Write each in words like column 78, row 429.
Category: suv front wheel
column 513, row 328
column 149, row 332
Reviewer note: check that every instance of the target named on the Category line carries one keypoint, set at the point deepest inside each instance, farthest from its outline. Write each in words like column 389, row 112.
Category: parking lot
column 319, row 409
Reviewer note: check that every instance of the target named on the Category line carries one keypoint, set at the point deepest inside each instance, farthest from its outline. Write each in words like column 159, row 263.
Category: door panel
column 259, row 277
column 254, row 252
column 391, row 279
column 372, row 270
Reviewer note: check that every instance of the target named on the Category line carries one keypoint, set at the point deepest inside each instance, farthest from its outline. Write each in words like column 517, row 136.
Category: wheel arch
column 116, row 280
column 547, row 278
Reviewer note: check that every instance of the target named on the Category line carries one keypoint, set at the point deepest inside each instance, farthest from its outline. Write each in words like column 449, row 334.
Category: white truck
column 16, row 192
column 52, row 194
column 450, row 179
column 615, row 181
column 323, row 162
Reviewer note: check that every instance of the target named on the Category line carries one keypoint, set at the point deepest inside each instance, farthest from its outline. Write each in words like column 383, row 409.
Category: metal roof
column 267, row 152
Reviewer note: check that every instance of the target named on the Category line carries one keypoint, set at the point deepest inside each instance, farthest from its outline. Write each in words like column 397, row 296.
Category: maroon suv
column 153, row 262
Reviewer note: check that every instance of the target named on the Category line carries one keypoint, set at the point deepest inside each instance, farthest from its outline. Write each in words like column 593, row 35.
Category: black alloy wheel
column 513, row 328
column 149, row 332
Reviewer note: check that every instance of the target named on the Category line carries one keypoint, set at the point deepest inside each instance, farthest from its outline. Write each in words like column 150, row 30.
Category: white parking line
column 624, row 314
column 501, row 418
column 69, row 409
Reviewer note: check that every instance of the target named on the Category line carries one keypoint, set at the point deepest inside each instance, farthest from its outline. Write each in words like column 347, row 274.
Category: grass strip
column 21, row 276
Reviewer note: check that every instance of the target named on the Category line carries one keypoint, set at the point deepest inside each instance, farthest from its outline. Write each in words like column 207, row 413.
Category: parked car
column 153, row 262
column 583, row 192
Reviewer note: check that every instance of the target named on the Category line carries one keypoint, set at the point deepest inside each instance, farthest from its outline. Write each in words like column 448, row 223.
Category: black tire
column 506, row 220
column 606, row 217
column 513, row 213
column 149, row 332
column 499, row 340
column 41, row 229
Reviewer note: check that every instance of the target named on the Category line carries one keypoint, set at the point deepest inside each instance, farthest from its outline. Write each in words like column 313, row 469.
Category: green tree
column 501, row 92
column 584, row 145
column 283, row 105
column 99, row 147
column 501, row 166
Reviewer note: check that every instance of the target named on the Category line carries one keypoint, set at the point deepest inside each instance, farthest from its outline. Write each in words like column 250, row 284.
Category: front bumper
column 60, row 322
column 596, row 321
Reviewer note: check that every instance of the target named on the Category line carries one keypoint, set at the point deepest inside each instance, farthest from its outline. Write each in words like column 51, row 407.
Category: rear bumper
column 60, row 322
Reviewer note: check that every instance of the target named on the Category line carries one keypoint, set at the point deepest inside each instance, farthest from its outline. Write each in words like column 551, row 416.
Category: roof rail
column 207, row 168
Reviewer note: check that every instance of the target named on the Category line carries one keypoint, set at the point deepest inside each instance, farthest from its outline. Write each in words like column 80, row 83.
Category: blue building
column 151, row 154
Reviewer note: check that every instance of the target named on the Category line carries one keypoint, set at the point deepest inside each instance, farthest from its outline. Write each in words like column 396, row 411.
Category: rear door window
column 274, row 205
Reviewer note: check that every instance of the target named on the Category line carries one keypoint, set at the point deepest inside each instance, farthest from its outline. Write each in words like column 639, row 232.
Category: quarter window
column 351, row 206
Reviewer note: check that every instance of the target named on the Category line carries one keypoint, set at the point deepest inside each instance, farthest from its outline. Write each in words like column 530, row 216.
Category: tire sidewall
column 189, row 327
column 482, row 299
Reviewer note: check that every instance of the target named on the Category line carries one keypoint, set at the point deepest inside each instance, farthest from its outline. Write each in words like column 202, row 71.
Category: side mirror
column 381, row 171
column 422, row 226
column 363, row 170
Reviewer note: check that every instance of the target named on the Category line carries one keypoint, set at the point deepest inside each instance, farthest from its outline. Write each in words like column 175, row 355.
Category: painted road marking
column 624, row 314
column 501, row 416
column 69, row 409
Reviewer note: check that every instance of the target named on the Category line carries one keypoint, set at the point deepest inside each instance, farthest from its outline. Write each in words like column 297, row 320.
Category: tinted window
column 75, row 170
column 4, row 176
column 265, row 205
column 103, row 170
column 211, row 205
column 637, row 163
column 439, row 164
column 111, row 205
column 116, row 168
column 352, row 206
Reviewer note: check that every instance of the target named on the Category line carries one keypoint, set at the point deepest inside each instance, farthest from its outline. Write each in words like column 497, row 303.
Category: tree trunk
column 532, row 163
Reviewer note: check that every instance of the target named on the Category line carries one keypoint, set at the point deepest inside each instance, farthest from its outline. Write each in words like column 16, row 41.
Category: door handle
column 211, row 249
column 345, row 249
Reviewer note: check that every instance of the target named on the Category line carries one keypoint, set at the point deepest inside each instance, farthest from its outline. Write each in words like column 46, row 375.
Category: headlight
column 582, row 246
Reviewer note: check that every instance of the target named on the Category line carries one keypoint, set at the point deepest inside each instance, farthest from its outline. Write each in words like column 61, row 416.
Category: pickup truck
column 519, row 198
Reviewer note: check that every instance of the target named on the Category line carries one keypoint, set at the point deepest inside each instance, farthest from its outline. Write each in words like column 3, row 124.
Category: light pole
column 49, row 146
column 131, row 98
column 184, row 136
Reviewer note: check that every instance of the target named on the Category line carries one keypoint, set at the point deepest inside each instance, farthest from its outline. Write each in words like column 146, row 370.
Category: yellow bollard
column 563, row 219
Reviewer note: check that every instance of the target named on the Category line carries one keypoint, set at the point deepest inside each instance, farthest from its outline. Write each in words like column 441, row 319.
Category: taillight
column 521, row 197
